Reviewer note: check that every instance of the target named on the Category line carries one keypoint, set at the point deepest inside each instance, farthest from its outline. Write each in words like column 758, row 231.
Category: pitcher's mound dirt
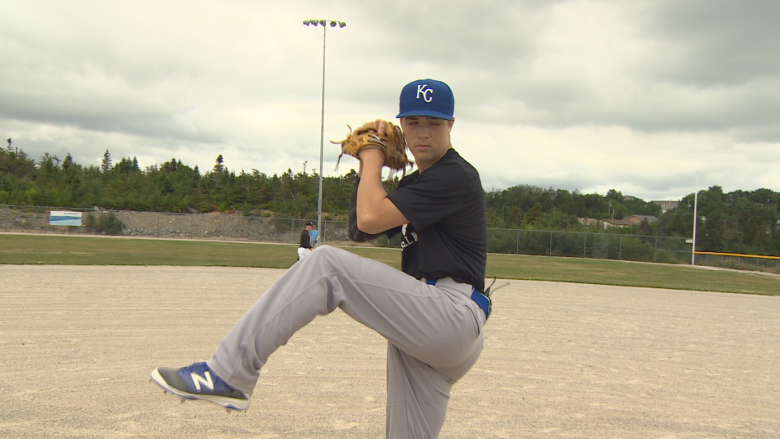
column 561, row 360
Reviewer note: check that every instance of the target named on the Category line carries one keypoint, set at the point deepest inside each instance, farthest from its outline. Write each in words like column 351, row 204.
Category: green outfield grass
column 81, row 250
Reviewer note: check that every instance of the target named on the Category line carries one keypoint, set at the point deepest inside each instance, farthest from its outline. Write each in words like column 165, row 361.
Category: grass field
column 78, row 250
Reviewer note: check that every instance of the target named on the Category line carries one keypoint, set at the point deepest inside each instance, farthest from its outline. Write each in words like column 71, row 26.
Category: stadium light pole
column 695, row 218
column 324, row 24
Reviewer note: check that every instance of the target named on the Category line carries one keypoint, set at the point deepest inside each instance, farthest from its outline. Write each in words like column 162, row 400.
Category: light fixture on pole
column 323, row 23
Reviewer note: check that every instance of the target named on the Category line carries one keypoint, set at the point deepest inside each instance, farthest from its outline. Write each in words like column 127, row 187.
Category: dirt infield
column 561, row 360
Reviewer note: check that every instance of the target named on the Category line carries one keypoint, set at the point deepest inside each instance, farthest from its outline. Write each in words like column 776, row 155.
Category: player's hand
column 371, row 154
column 381, row 127
column 378, row 127
column 379, row 135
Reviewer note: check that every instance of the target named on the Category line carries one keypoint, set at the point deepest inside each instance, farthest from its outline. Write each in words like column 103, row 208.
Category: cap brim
column 426, row 113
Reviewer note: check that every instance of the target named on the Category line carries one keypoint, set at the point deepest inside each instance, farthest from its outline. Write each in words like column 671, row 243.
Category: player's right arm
column 375, row 212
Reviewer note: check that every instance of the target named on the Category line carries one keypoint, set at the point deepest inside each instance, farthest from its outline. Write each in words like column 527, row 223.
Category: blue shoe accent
column 197, row 381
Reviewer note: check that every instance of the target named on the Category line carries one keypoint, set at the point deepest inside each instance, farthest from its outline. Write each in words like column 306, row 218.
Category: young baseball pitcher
column 431, row 313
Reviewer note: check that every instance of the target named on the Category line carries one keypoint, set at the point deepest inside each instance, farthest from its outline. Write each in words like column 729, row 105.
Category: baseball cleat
column 197, row 381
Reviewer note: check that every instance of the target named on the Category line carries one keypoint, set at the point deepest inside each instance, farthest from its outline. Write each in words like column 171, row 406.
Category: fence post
column 620, row 251
column 585, row 246
column 517, row 243
column 655, row 255
column 551, row 242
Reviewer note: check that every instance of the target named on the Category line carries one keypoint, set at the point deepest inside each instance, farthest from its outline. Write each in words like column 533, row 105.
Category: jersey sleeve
column 437, row 193
column 353, row 232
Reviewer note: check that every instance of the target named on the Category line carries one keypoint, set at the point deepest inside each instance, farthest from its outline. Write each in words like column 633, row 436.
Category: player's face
column 428, row 139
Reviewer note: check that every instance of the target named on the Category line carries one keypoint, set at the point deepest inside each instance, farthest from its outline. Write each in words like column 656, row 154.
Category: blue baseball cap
column 427, row 97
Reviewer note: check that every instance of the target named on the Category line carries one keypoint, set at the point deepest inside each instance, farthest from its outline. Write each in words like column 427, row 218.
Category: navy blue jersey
column 447, row 231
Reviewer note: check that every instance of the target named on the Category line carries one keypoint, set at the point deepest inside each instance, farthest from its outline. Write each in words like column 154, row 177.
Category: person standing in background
column 305, row 247
column 315, row 236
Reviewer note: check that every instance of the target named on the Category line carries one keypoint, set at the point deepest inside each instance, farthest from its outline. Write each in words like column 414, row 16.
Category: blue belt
column 478, row 298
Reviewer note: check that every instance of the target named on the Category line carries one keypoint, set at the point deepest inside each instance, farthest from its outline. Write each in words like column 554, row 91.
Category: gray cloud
column 572, row 94
column 716, row 43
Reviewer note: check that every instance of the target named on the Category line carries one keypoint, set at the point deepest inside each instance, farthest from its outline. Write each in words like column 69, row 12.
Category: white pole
column 324, row 24
column 322, row 132
column 695, row 217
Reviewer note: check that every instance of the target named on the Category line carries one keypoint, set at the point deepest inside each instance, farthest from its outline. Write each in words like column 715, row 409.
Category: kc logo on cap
column 422, row 89
column 427, row 97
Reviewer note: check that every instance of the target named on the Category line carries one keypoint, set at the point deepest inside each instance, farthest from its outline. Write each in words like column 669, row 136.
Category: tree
column 536, row 214
column 515, row 216
column 105, row 164
column 16, row 163
column 217, row 173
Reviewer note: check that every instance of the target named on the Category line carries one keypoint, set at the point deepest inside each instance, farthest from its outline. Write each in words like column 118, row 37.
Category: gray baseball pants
column 434, row 333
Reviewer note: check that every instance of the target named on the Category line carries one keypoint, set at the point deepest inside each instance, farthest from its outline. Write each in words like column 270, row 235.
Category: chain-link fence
column 285, row 230
column 35, row 219
column 769, row 264
column 589, row 245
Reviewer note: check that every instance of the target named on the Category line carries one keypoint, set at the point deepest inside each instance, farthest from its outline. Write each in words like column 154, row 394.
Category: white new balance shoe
column 197, row 381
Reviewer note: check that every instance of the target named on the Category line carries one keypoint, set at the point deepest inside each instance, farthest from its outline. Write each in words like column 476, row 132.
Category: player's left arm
column 375, row 212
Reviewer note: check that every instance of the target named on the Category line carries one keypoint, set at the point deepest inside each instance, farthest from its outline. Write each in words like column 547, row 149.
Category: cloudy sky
column 590, row 95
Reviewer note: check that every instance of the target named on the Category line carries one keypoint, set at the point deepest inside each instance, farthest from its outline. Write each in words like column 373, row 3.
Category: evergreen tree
column 105, row 164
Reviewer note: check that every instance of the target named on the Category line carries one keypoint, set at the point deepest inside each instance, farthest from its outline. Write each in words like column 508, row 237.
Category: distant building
column 609, row 223
column 636, row 219
column 588, row 221
column 628, row 221
column 667, row 205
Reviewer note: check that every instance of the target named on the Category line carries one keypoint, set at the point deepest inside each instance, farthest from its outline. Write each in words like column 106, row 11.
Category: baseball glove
column 393, row 144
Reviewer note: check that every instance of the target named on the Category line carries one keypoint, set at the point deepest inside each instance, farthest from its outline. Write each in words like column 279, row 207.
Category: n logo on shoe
column 198, row 380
